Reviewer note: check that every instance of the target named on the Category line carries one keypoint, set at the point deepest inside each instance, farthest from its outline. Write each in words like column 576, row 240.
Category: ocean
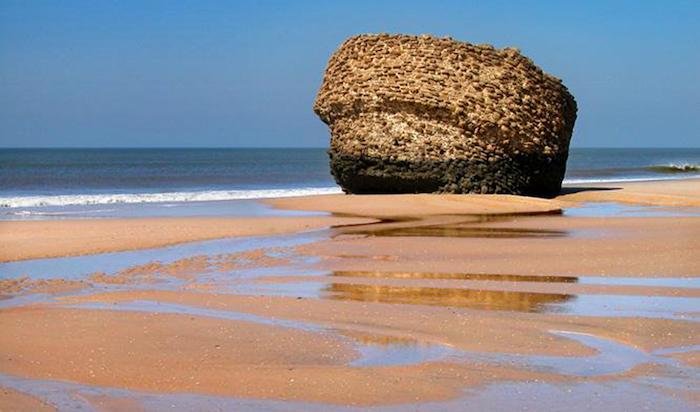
column 56, row 178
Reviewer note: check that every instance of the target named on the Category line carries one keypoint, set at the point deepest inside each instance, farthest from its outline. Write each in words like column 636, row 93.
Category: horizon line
column 278, row 147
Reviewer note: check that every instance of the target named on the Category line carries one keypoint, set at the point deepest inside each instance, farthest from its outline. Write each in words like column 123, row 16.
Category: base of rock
column 527, row 175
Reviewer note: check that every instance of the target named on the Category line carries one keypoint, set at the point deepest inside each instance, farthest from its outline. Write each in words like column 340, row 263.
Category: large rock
column 411, row 114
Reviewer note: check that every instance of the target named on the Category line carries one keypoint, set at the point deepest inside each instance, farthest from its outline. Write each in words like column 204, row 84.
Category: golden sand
column 428, row 275
column 42, row 239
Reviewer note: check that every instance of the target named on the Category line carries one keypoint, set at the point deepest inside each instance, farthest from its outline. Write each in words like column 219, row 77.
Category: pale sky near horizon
column 245, row 73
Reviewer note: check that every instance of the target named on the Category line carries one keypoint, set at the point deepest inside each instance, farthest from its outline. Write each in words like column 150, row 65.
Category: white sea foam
column 201, row 196
column 64, row 213
column 685, row 167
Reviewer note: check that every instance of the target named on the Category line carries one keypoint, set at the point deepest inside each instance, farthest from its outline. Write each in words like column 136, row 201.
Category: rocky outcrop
column 411, row 114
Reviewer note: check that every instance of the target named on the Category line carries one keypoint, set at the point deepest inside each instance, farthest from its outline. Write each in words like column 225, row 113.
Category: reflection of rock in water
column 458, row 276
column 373, row 339
column 462, row 231
column 468, row 298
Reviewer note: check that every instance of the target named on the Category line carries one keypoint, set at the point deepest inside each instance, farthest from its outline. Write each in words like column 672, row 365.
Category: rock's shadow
column 572, row 190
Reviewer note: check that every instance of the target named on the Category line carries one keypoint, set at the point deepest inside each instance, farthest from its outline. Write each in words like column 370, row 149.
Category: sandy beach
column 349, row 206
column 45, row 239
column 403, row 301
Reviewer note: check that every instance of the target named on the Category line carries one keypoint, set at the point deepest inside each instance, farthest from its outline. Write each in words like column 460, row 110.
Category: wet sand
column 396, row 206
column 11, row 400
column 673, row 193
column 182, row 353
column 677, row 193
column 551, row 245
column 499, row 331
column 43, row 239
column 437, row 306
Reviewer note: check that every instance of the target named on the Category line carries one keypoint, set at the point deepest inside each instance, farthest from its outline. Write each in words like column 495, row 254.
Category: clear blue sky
column 245, row 73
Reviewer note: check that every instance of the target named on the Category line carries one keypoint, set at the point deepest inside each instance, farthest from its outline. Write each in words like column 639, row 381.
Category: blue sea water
column 614, row 165
column 31, row 178
column 103, row 171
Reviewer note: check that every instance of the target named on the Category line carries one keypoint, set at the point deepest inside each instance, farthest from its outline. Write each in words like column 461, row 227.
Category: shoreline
column 256, row 195
column 35, row 239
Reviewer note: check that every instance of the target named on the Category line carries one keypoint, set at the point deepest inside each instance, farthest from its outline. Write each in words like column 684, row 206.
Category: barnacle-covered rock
column 411, row 114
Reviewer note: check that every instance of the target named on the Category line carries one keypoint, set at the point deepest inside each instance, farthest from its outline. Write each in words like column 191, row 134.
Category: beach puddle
column 432, row 296
column 658, row 307
column 678, row 282
column 670, row 282
column 70, row 396
column 387, row 350
column 598, row 305
column 462, row 232
column 582, row 304
column 377, row 355
column 454, row 276
column 649, row 394
column 309, row 290
column 23, row 300
column 587, row 395
column 610, row 209
column 373, row 350
column 612, row 357
column 458, row 226
column 79, row 267
column 376, row 350
column 678, row 350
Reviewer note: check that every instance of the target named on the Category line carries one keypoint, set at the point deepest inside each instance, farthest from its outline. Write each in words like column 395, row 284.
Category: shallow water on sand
column 660, row 307
column 580, row 396
column 680, row 282
column 291, row 274
column 77, row 267
column 456, row 231
column 608, row 209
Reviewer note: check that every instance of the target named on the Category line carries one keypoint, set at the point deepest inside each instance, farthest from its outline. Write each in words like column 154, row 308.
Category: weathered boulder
column 411, row 114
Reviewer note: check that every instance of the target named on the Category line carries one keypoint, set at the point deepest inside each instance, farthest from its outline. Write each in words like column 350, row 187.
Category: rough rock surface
column 411, row 114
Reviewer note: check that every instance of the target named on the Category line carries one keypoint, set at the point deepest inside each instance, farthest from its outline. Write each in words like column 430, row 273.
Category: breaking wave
column 675, row 168
column 201, row 196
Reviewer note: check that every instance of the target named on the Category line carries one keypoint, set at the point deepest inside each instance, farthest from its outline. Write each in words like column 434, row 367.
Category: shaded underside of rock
column 411, row 114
